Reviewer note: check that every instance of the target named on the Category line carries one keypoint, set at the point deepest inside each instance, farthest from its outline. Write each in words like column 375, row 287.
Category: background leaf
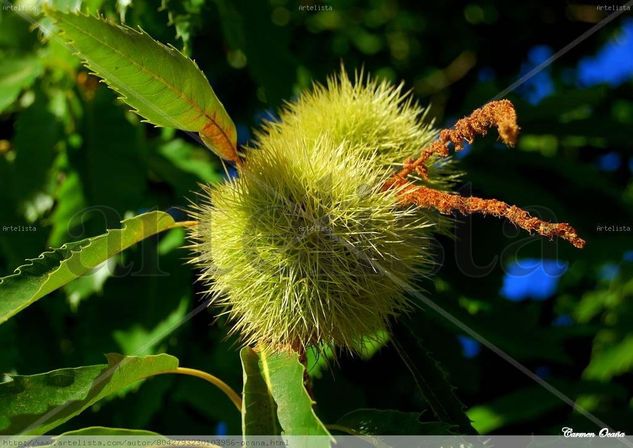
column 113, row 145
column 15, row 75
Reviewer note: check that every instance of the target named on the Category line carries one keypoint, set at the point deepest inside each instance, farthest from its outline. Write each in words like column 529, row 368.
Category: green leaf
column 69, row 200
column 16, row 34
column 16, row 73
column 141, row 341
column 390, row 422
column 276, row 380
column 183, row 166
column 55, row 268
column 259, row 410
column 612, row 360
column 160, row 83
column 284, row 375
column 185, row 16
column 523, row 405
column 89, row 284
column 318, row 358
column 35, row 404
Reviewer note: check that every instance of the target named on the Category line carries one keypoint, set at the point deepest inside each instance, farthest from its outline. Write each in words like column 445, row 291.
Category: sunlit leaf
column 280, row 377
column 159, row 82
column 55, row 268
column 285, row 375
column 35, row 404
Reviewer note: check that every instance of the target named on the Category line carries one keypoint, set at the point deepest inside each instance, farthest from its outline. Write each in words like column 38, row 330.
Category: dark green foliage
column 430, row 378
column 77, row 162
column 389, row 422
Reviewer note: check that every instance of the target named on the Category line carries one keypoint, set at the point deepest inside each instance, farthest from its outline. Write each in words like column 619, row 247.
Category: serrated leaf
column 55, row 268
column 284, row 375
column 160, row 83
column 35, row 404
column 391, row 422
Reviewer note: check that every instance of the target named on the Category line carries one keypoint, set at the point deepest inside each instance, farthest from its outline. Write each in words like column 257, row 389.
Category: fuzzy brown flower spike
column 496, row 113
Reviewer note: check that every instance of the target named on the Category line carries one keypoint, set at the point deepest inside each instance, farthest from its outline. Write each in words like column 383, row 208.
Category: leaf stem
column 228, row 391
column 186, row 224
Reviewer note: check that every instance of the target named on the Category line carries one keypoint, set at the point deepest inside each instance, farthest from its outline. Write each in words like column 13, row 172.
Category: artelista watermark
column 613, row 228
column 6, row 6
column 307, row 6
column 613, row 8
column 19, row 228
column 603, row 433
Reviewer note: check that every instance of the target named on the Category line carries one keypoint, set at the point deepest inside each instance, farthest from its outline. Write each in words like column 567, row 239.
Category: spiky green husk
column 306, row 247
column 381, row 121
